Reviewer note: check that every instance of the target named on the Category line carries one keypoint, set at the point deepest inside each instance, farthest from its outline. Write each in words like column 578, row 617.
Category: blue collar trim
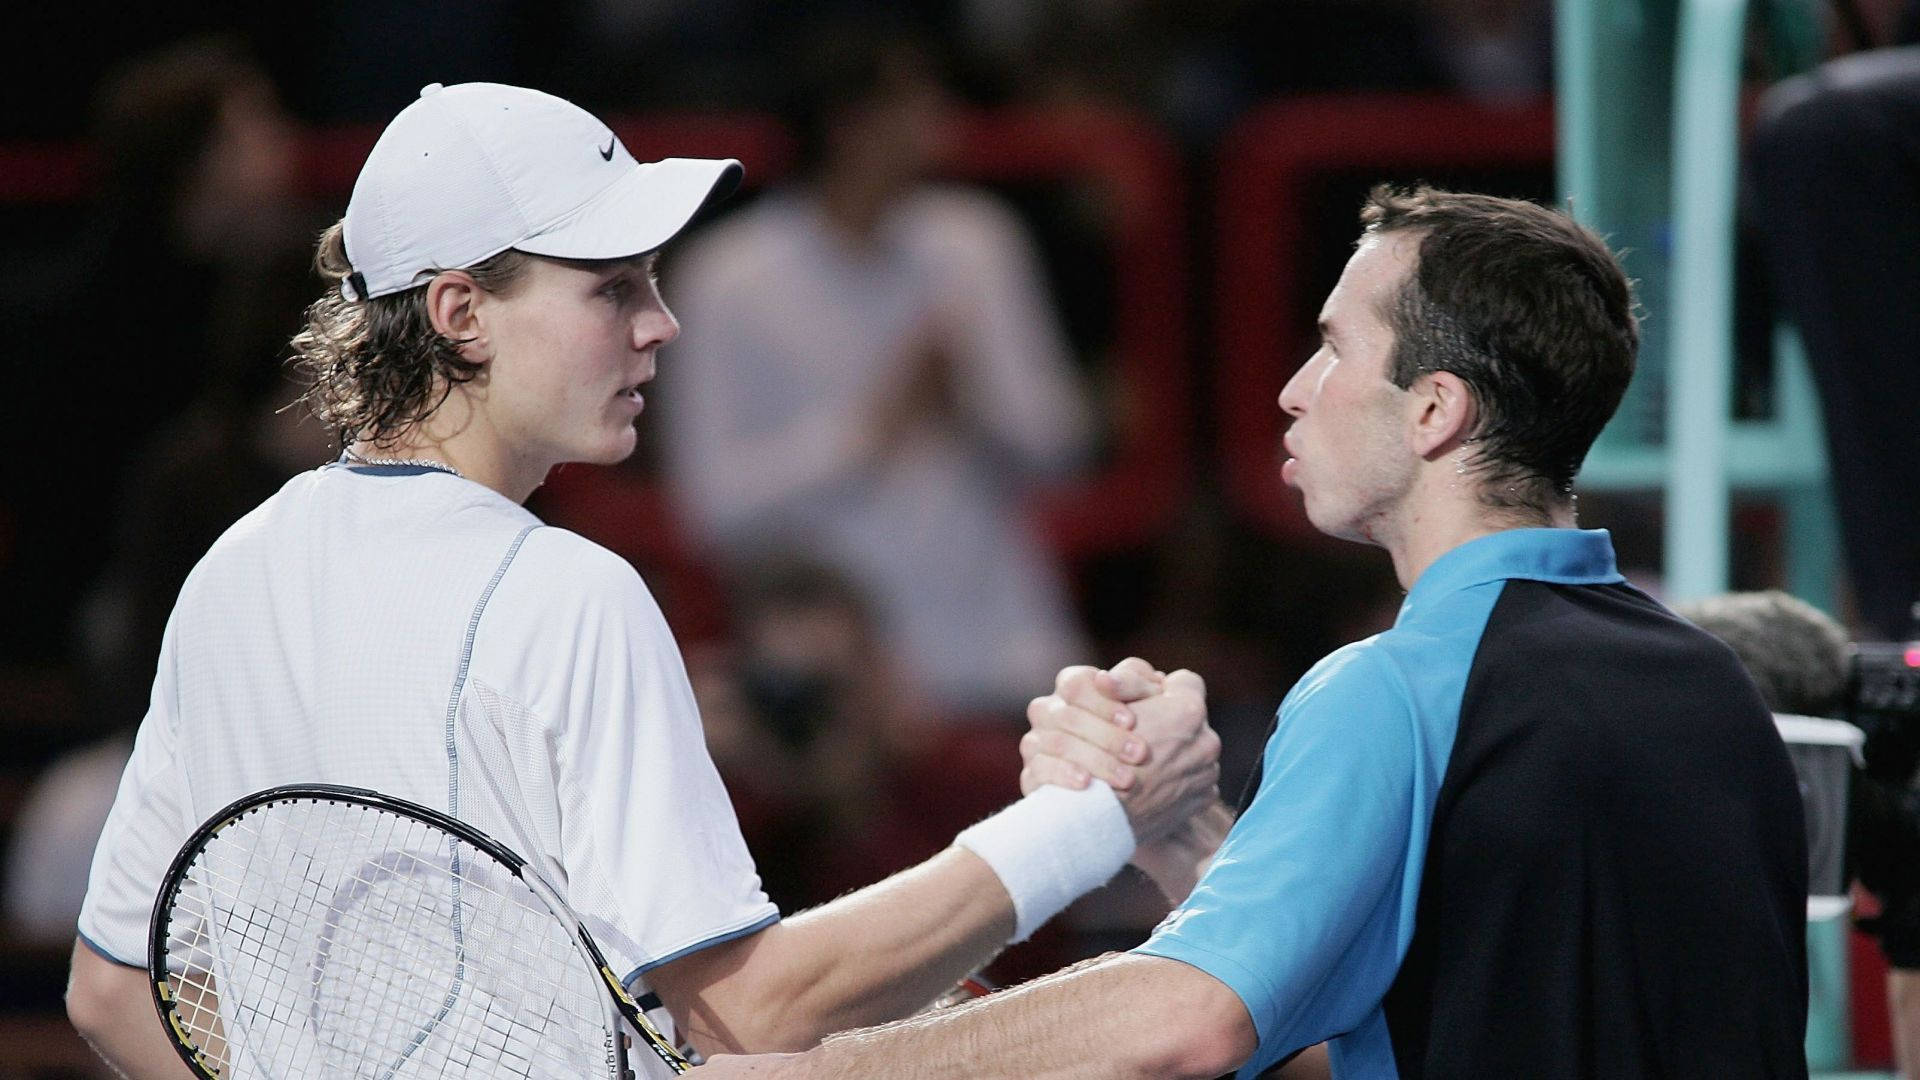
column 1558, row 556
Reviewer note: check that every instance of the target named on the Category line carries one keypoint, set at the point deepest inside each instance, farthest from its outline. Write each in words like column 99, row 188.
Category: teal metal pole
column 1613, row 87
column 1706, row 146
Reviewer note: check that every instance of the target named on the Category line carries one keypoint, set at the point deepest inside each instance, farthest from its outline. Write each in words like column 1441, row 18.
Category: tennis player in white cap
column 397, row 620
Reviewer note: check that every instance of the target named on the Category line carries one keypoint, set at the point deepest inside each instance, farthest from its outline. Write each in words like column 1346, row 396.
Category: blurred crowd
column 1193, row 64
column 875, row 379
column 879, row 373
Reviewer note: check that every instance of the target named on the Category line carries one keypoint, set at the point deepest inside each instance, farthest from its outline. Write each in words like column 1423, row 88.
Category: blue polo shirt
column 1309, row 906
column 1542, row 827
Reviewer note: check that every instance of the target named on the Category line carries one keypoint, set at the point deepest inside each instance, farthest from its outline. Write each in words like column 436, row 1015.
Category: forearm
column 1903, row 1000
column 891, row 948
column 1176, row 862
column 875, row 955
column 112, row 1007
column 1118, row 1017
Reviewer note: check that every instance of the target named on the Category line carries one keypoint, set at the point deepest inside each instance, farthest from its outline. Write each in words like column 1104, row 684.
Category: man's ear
column 452, row 304
column 1445, row 413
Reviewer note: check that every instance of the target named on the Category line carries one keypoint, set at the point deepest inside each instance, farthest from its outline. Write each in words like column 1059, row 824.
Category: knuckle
column 1189, row 682
column 1072, row 677
column 1029, row 745
column 1037, row 708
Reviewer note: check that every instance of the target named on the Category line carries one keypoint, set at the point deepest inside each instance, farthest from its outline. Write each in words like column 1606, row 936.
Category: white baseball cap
column 468, row 171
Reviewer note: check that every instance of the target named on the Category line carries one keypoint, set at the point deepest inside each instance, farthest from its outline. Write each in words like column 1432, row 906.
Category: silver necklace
column 421, row 463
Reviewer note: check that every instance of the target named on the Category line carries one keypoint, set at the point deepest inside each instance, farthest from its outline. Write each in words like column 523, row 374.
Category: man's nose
column 1293, row 396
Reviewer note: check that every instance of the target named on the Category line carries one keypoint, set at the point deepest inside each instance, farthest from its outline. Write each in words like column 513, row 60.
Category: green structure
column 1649, row 95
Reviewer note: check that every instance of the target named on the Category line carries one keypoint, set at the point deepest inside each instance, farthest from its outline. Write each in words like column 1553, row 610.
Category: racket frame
column 623, row 1003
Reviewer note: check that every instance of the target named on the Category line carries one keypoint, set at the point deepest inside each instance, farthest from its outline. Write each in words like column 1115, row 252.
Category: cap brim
column 639, row 212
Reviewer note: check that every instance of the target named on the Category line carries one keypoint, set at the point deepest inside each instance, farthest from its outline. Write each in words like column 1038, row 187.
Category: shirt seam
column 466, row 664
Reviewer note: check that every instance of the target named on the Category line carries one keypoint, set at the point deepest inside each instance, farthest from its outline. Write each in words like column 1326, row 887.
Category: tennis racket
column 324, row 931
column 968, row 989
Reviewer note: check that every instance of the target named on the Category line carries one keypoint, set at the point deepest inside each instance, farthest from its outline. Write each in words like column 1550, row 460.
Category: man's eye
column 617, row 289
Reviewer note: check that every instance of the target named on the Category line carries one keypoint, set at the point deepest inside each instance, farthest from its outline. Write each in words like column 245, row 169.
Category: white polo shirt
column 402, row 629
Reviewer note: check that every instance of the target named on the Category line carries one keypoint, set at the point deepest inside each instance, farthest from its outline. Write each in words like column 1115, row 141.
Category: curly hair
column 376, row 367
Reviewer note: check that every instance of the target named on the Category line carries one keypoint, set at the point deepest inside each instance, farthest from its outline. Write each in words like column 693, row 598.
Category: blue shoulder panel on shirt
column 1294, row 896
column 1308, row 908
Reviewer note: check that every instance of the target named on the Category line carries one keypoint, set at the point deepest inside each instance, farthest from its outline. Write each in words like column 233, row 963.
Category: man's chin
column 1339, row 529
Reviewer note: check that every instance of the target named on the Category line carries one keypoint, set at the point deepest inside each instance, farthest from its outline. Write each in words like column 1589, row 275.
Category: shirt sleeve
column 654, row 860
column 144, row 830
column 1304, row 911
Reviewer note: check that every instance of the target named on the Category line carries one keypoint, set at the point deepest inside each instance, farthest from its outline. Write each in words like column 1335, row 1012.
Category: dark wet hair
column 1531, row 311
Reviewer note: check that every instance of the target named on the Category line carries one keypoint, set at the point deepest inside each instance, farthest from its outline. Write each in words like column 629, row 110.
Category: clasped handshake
column 1145, row 734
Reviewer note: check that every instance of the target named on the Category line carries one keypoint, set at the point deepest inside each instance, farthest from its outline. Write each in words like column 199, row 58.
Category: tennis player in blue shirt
column 1540, row 828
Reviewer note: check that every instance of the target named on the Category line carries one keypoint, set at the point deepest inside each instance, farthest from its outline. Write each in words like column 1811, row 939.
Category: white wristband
column 1051, row 848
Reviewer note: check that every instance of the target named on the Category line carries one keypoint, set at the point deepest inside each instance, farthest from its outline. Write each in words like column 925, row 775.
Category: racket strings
column 354, row 942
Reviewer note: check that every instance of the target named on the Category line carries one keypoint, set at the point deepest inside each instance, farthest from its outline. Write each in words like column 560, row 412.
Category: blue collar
column 1559, row 556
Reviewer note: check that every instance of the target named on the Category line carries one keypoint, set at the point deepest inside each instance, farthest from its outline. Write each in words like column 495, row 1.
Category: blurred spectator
column 837, row 776
column 1797, row 656
column 224, row 220
column 1197, row 64
column 872, row 378
column 1835, row 165
column 187, row 266
column 53, row 836
column 1793, row 651
column 1492, row 49
column 224, row 455
column 1835, row 168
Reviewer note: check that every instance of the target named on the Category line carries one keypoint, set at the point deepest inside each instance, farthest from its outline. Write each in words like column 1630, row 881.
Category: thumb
column 1184, row 681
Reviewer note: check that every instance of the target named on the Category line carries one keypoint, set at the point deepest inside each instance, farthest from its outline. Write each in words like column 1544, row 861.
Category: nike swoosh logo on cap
column 607, row 154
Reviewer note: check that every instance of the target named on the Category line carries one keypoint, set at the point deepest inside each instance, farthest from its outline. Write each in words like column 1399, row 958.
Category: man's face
column 1347, row 449
column 572, row 344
